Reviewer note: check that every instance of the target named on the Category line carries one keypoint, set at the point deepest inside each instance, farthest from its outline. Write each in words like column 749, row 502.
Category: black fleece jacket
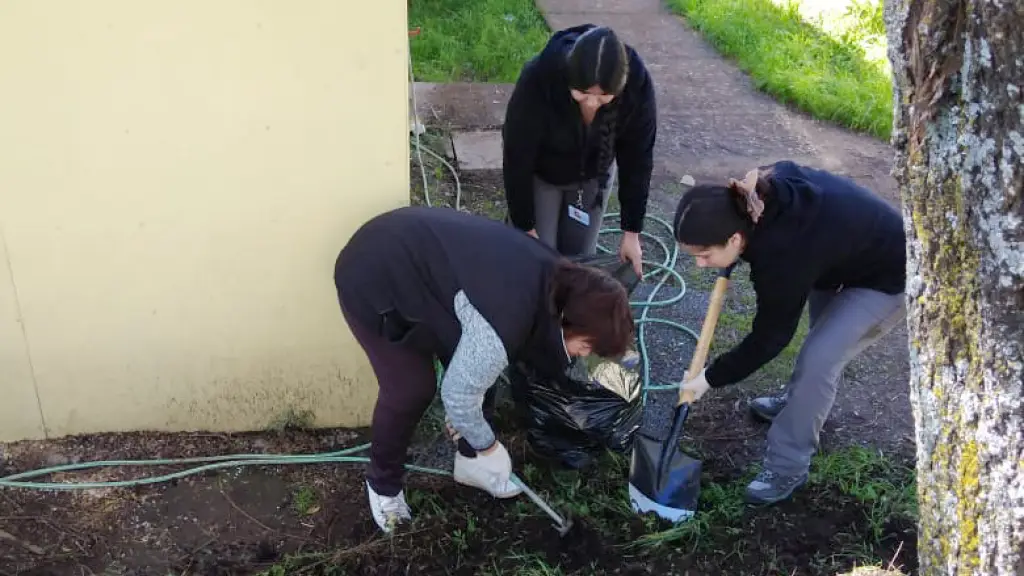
column 544, row 134
column 819, row 231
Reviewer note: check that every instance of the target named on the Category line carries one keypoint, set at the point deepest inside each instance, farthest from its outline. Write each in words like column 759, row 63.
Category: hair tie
column 747, row 189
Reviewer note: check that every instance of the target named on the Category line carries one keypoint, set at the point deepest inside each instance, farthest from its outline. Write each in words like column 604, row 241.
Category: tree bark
column 958, row 70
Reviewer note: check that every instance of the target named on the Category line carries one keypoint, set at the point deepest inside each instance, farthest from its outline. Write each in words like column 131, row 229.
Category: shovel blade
column 671, row 493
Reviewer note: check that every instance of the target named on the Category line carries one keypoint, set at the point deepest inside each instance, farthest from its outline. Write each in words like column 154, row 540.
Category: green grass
column 831, row 64
column 887, row 489
column 479, row 40
column 305, row 501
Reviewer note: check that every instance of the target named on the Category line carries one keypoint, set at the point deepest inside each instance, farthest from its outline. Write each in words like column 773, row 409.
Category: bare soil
column 248, row 521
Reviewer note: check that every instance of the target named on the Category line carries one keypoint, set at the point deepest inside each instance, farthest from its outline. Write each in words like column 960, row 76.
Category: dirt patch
column 249, row 520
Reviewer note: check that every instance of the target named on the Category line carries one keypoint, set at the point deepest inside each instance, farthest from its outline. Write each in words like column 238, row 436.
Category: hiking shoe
column 766, row 408
column 388, row 511
column 769, row 487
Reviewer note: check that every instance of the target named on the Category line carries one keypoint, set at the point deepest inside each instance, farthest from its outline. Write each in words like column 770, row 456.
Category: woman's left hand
column 697, row 385
column 630, row 250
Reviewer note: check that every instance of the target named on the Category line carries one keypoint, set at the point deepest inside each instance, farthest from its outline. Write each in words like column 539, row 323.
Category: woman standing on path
column 581, row 115
column 812, row 238
column 417, row 283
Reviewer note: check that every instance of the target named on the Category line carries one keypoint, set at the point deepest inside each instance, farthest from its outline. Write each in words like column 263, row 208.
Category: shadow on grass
column 796, row 62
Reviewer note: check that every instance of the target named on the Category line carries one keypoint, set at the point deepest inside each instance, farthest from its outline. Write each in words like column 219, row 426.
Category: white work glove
column 490, row 470
column 698, row 385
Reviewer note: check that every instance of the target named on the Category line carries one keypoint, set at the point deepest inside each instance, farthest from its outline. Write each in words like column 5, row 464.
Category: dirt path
column 713, row 124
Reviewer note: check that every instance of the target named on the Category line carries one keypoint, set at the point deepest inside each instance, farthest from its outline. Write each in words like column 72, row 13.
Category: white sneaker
column 469, row 472
column 388, row 511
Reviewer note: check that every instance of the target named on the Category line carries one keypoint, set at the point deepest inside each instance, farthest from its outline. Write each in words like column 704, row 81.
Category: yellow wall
column 176, row 180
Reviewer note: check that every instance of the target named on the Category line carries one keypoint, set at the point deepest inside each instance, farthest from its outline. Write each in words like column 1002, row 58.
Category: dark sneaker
column 766, row 408
column 769, row 487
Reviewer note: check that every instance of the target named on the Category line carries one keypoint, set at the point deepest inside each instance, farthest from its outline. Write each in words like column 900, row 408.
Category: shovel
column 662, row 479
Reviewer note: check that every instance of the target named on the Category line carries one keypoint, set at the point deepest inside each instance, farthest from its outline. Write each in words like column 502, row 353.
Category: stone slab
column 462, row 105
column 477, row 150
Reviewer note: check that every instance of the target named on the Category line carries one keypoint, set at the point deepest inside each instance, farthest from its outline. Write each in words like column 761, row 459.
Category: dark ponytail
column 708, row 215
column 599, row 58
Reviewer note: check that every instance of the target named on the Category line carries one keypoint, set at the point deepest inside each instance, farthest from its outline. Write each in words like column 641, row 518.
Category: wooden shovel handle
column 707, row 332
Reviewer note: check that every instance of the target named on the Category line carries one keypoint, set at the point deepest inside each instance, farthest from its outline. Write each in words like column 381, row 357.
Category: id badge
column 579, row 215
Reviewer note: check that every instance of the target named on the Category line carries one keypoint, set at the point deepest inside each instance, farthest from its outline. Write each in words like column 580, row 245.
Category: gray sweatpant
column 842, row 325
column 551, row 214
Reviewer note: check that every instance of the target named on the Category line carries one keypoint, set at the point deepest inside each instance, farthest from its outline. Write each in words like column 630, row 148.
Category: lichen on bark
column 959, row 160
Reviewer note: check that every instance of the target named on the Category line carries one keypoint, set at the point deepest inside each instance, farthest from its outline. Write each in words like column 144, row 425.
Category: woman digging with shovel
column 417, row 283
column 811, row 238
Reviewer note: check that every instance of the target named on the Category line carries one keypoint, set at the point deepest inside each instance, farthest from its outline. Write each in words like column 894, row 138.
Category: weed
column 304, row 563
column 304, row 501
column 293, row 419
column 886, row 488
column 481, row 41
column 533, row 565
column 721, row 506
column 427, row 504
column 833, row 66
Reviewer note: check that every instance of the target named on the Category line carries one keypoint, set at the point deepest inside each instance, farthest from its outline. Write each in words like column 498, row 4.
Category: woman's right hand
column 496, row 460
column 533, row 232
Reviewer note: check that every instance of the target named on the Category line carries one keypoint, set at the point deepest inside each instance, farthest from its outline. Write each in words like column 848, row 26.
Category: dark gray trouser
column 551, row 214
column 842, row 325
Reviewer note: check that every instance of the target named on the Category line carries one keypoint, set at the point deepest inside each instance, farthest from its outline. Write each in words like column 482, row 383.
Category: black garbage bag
column 573, row 419
column 595, row 406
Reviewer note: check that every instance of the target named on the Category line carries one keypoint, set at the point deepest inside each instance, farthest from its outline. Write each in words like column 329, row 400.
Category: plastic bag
column 573, row 419
column 595, row 406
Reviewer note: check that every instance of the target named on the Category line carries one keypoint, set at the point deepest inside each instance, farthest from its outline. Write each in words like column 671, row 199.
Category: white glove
column 489, row 471
column 698, row 385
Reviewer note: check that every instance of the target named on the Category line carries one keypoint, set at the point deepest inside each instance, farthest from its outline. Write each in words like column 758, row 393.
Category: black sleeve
column 634, row 151
column 781, row 296
column 521, row 136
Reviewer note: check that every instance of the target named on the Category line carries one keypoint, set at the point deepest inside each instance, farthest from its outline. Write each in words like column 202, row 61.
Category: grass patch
column 834, row 69
column 887, row 489
column 479, row 41
column 305, row 501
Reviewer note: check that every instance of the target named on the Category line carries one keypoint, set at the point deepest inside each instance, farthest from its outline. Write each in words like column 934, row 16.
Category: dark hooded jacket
column 819, row 231
column 408, row 264
column 544, row 134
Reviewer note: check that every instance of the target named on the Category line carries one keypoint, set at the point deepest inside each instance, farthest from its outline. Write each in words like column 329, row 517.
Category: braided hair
column 599, row 58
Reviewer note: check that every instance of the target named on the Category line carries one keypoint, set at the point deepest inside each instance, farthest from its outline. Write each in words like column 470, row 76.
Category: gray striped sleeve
column 478, row 360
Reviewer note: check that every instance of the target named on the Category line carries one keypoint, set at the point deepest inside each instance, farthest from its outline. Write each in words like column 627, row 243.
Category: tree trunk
column 958, row 71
